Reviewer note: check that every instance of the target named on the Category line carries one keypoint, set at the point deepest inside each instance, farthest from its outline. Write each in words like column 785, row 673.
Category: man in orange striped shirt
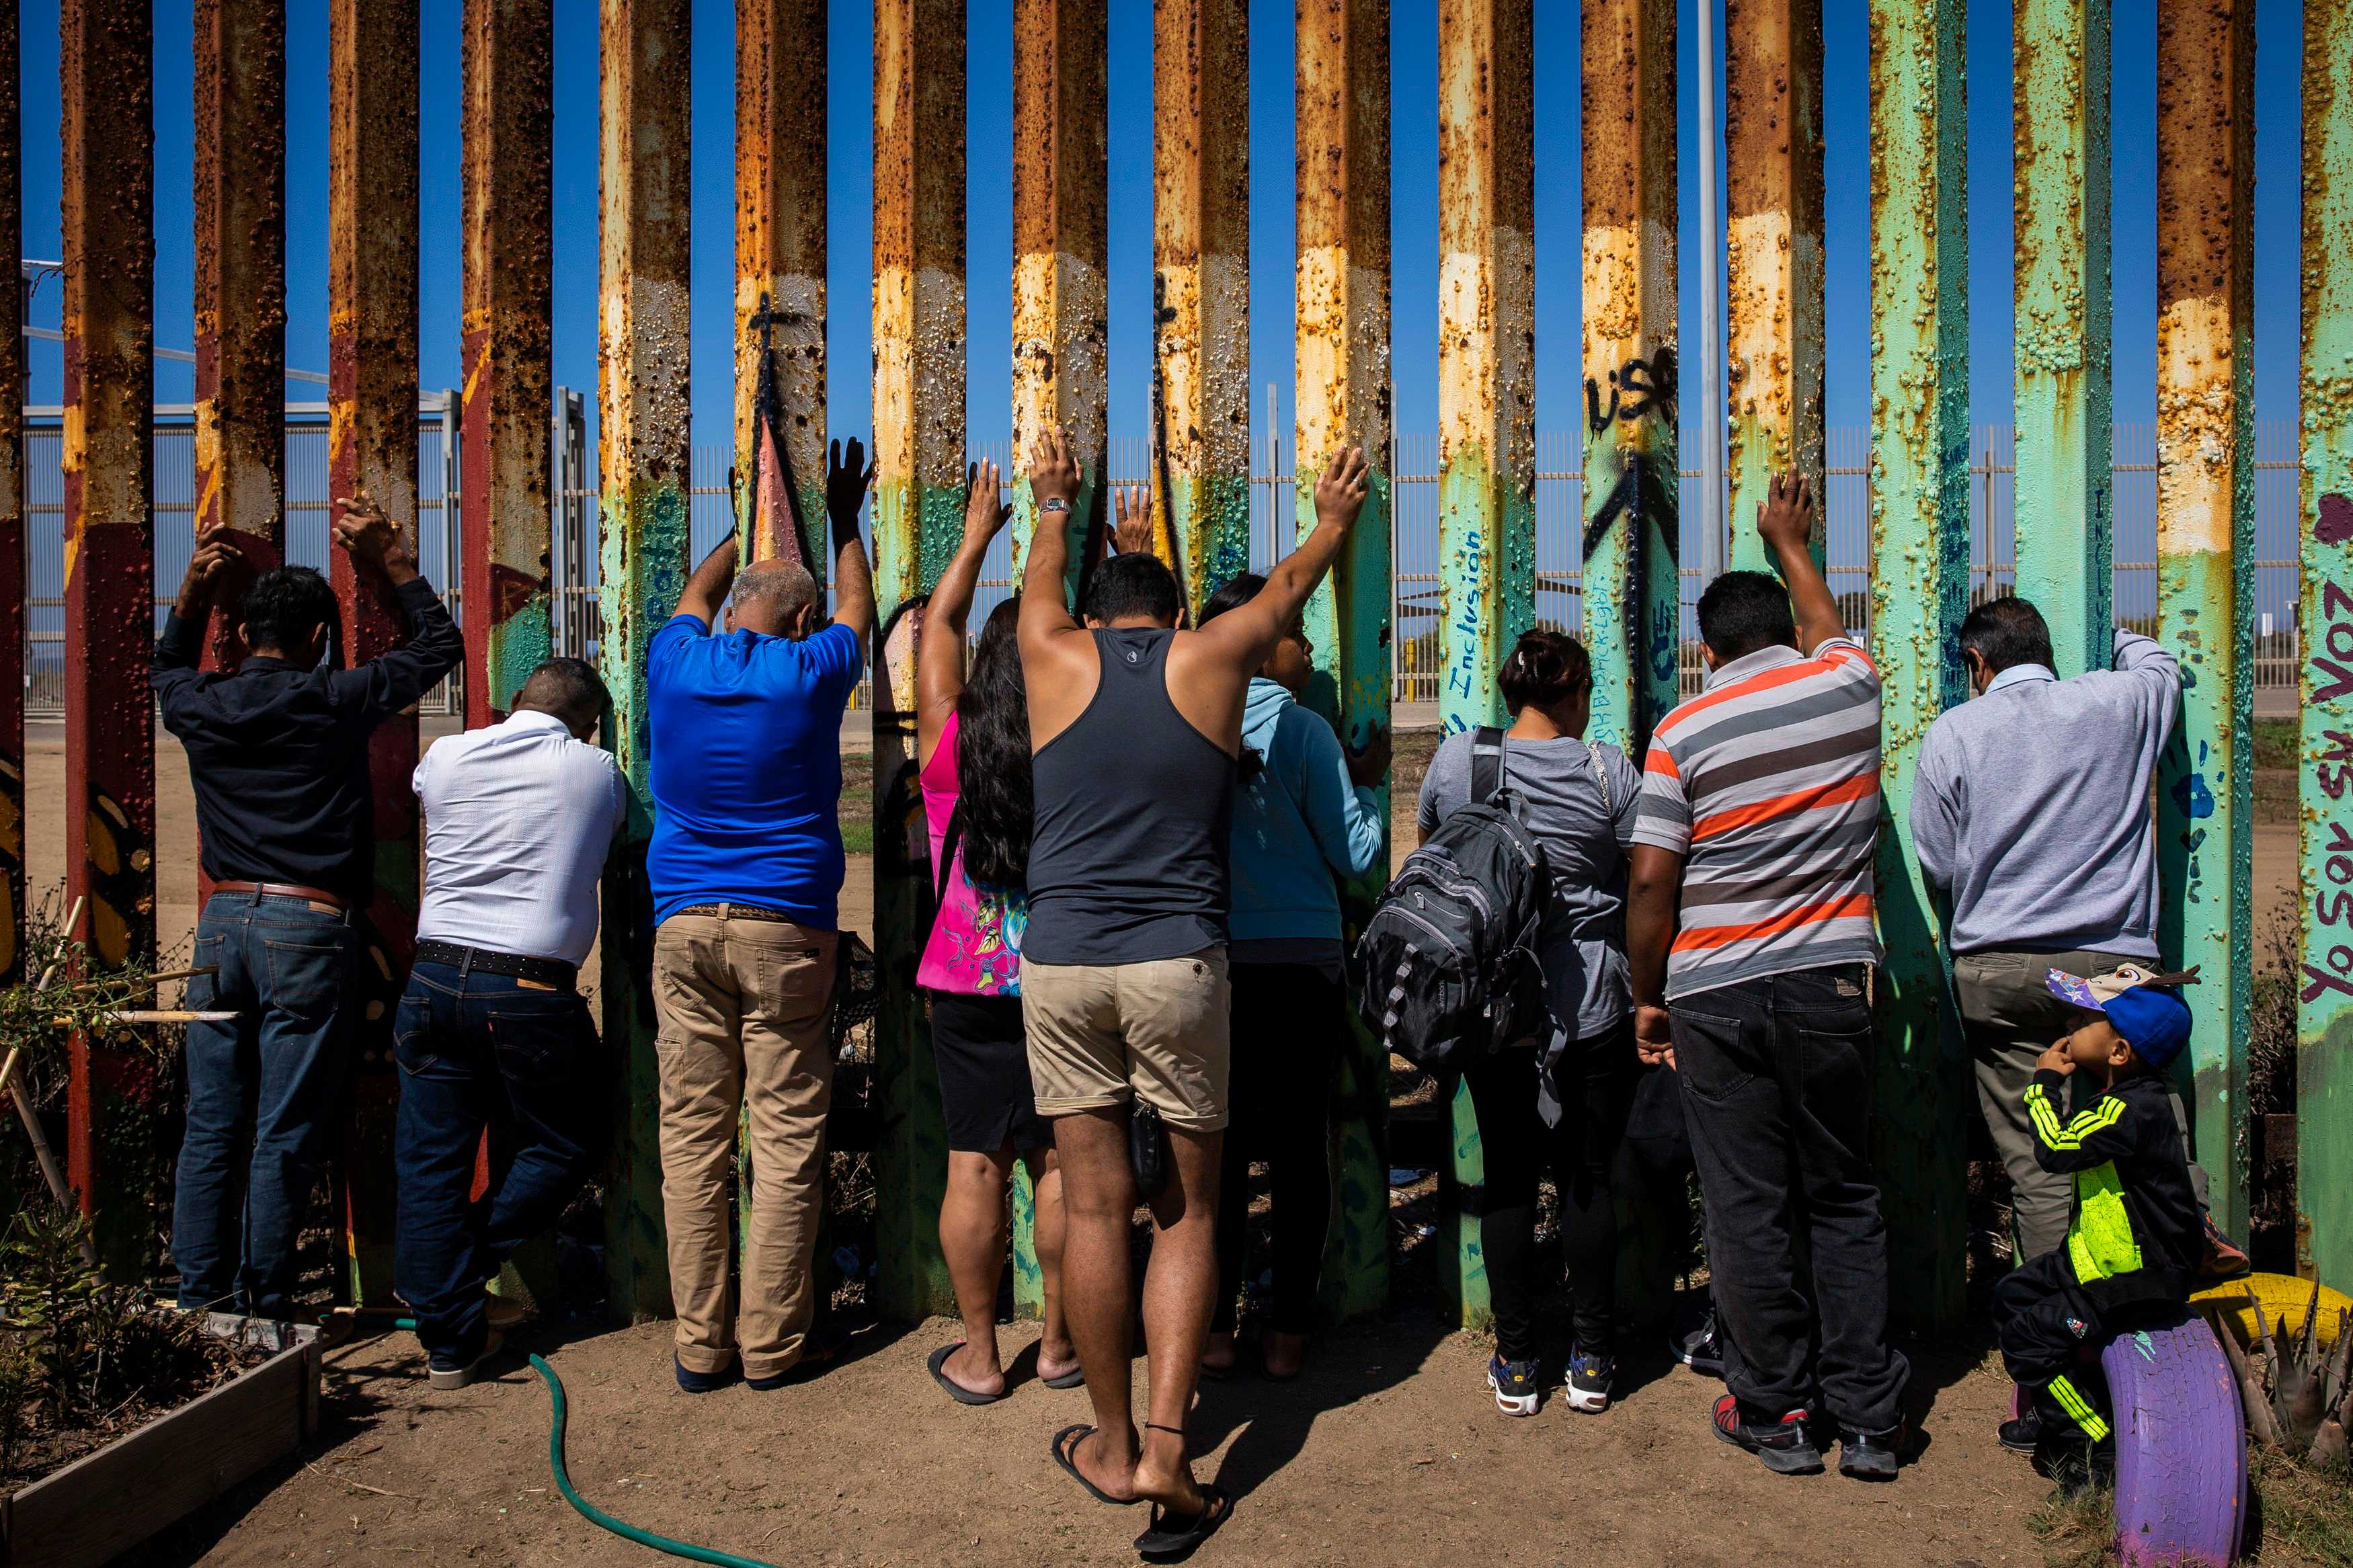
column 1750, row 939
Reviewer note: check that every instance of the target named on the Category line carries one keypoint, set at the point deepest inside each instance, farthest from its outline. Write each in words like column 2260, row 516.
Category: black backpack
column 1452, row 958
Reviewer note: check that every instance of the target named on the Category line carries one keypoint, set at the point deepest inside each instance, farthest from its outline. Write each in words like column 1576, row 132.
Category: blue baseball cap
column 2143, row 1006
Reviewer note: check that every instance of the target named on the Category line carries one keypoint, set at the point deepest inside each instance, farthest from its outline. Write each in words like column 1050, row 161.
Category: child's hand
column 2054, row 1058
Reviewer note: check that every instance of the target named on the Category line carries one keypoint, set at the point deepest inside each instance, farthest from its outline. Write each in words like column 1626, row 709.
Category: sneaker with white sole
column 1701, row 1350
column 1517, row 1387
column 455, row 1372
column 1590, row 1374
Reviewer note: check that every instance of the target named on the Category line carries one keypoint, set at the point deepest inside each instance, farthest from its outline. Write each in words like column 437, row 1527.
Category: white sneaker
column 1517, row 1388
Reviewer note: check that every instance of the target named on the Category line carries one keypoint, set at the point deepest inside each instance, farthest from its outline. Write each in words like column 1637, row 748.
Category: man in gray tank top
column 1135, row 727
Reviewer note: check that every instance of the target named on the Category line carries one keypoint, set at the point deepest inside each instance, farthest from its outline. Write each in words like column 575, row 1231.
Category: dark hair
column 2007, row 631
column 997, row 803
column 1137, row 584
column 1544, row 667
column 570, row 688
column 284, row 605
column 1231, row 594
column 1744, row 611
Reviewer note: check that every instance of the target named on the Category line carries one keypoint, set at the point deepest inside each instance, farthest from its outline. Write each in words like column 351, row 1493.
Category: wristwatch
column 1054, row 504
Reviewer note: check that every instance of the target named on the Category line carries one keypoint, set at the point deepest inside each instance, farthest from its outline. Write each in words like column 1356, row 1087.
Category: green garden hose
column 597, row 1516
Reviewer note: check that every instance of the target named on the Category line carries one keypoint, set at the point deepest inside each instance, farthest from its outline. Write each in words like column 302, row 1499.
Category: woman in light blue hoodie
column 1306, row 815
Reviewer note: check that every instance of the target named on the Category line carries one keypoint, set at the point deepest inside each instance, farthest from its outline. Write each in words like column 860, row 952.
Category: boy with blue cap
column 2135, row 1230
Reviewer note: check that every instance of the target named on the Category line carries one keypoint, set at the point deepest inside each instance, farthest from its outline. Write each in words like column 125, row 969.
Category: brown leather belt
column 287, row 890
column 735, row 911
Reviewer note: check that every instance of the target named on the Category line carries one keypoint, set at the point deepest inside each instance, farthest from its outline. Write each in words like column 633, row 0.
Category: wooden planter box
column 110, row 1501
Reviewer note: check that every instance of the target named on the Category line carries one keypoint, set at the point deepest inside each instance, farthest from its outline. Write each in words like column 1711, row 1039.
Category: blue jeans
column 261, row 1093
column 477, row 1053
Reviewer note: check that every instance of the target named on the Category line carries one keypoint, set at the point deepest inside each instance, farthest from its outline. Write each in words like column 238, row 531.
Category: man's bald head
column 776, row 598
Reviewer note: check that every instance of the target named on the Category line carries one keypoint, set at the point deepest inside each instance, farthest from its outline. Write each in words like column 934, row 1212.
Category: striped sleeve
column 1665, row 820
column 2093, row 1136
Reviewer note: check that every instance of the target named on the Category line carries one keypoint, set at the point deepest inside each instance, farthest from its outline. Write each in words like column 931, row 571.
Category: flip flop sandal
column 1172, row 1539
column 956, row 1391
column 1066, row 1444
column 1074, row 1378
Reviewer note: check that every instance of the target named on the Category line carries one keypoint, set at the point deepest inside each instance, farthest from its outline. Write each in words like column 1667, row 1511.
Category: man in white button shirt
column 493, row 1034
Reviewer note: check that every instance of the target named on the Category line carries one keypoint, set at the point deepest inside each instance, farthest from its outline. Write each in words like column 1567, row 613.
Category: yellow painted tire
column 2283, row 1298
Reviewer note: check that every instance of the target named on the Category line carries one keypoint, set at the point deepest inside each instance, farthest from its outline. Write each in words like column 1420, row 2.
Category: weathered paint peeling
column 780, row 153
column 919, row 436
column 1774, row 285
column 12, row 523
column 2205, row 546
column 1920, row 571
column 1342, row 395
column 2323, row 1119
column 1200, row 211
column 507, row 134
column 644, row 471
column 2065, row 491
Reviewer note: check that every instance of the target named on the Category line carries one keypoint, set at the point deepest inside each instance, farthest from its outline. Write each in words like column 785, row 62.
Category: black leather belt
column 482, row 961
column 735, row 911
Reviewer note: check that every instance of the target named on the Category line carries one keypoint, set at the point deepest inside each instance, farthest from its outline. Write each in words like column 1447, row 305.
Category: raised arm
column 1246, row 634
column 707, row 589
column 183, row 630
column 940, row 655
column 846, row 481
column 1786, row 523
column 394, row 680
column 1053, row 480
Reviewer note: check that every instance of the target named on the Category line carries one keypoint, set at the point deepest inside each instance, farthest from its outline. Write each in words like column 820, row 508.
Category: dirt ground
column 1389, row 1450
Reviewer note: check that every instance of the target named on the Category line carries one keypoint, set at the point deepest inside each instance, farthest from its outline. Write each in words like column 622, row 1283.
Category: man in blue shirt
column 745, row 866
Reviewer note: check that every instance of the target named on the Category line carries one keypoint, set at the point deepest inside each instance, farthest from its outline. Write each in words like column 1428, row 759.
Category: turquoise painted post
column 643, row 456
column 2065, row 491
column 2205, row 556
column 1920, row 578
column 2323, row 1119
column 1342, row 395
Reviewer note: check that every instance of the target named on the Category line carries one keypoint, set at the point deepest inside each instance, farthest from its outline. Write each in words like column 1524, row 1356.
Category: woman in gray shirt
column 1560, row 1101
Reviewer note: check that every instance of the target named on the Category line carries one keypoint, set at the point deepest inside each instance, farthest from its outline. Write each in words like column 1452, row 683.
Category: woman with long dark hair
column 1559, row 1102
column 972, row 736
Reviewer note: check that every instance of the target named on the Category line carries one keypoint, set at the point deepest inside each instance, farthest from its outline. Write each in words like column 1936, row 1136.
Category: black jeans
column 485, row 1053
column 261, row 1095
column 1594, row 1080
column 1287, row 1024
column 1777, row 1078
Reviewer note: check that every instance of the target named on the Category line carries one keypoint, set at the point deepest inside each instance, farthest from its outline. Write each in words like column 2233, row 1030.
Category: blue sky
column 1414, row 207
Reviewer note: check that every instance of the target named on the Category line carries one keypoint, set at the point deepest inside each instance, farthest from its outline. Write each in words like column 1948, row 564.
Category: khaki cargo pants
column 742, row 1005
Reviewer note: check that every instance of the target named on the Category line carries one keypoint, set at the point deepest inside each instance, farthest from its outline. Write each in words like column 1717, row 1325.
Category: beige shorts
column 1159, row 1032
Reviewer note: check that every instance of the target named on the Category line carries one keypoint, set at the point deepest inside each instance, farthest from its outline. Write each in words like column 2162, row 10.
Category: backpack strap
column 950, row 841
column 1487, row 763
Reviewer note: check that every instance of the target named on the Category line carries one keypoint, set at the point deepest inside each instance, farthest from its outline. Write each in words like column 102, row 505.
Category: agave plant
column 2308, row 1406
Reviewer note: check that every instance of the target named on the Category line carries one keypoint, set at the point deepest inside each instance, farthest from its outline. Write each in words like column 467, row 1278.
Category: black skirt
column 983, row 1060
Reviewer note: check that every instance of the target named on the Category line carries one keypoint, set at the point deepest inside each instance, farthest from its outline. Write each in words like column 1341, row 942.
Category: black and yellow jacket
column 2136, row 1233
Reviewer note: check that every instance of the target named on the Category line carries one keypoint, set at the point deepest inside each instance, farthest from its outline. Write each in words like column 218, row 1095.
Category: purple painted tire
column 2182, row 1446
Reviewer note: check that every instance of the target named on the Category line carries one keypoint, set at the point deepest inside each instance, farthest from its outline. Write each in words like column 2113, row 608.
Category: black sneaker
column 1785, row 1445
column 1871, row 1456
column 1590, row 1374
column 456, row 1370
column 2022, row 1435
column 1518, row 1388
column 1700, row 1350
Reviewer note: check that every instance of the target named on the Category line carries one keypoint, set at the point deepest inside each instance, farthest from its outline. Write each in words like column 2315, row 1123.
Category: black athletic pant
column 2043, row 1322
column 1777, row 1082
column 1288, row 1022
column 1594, row 1080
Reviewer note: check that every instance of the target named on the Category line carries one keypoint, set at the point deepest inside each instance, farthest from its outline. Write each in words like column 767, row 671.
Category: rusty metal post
column 1059, row 308
column 1343, row 394
column 2205, row 554
column 1632, row 598
column 919, row 381
column 371, row 241
column 110, row 262
column 506, row 129
column 1486, row 420
column 1773, row 205
column 780, row 97
column 2323, row 1119
column 2065, row 513
column 1200, row 290
column 1920, row 578
column 13, row 587
column 644, row 456
column 240, row 210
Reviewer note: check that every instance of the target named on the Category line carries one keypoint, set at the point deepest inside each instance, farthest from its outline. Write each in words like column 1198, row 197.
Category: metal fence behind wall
column 1414, row 521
